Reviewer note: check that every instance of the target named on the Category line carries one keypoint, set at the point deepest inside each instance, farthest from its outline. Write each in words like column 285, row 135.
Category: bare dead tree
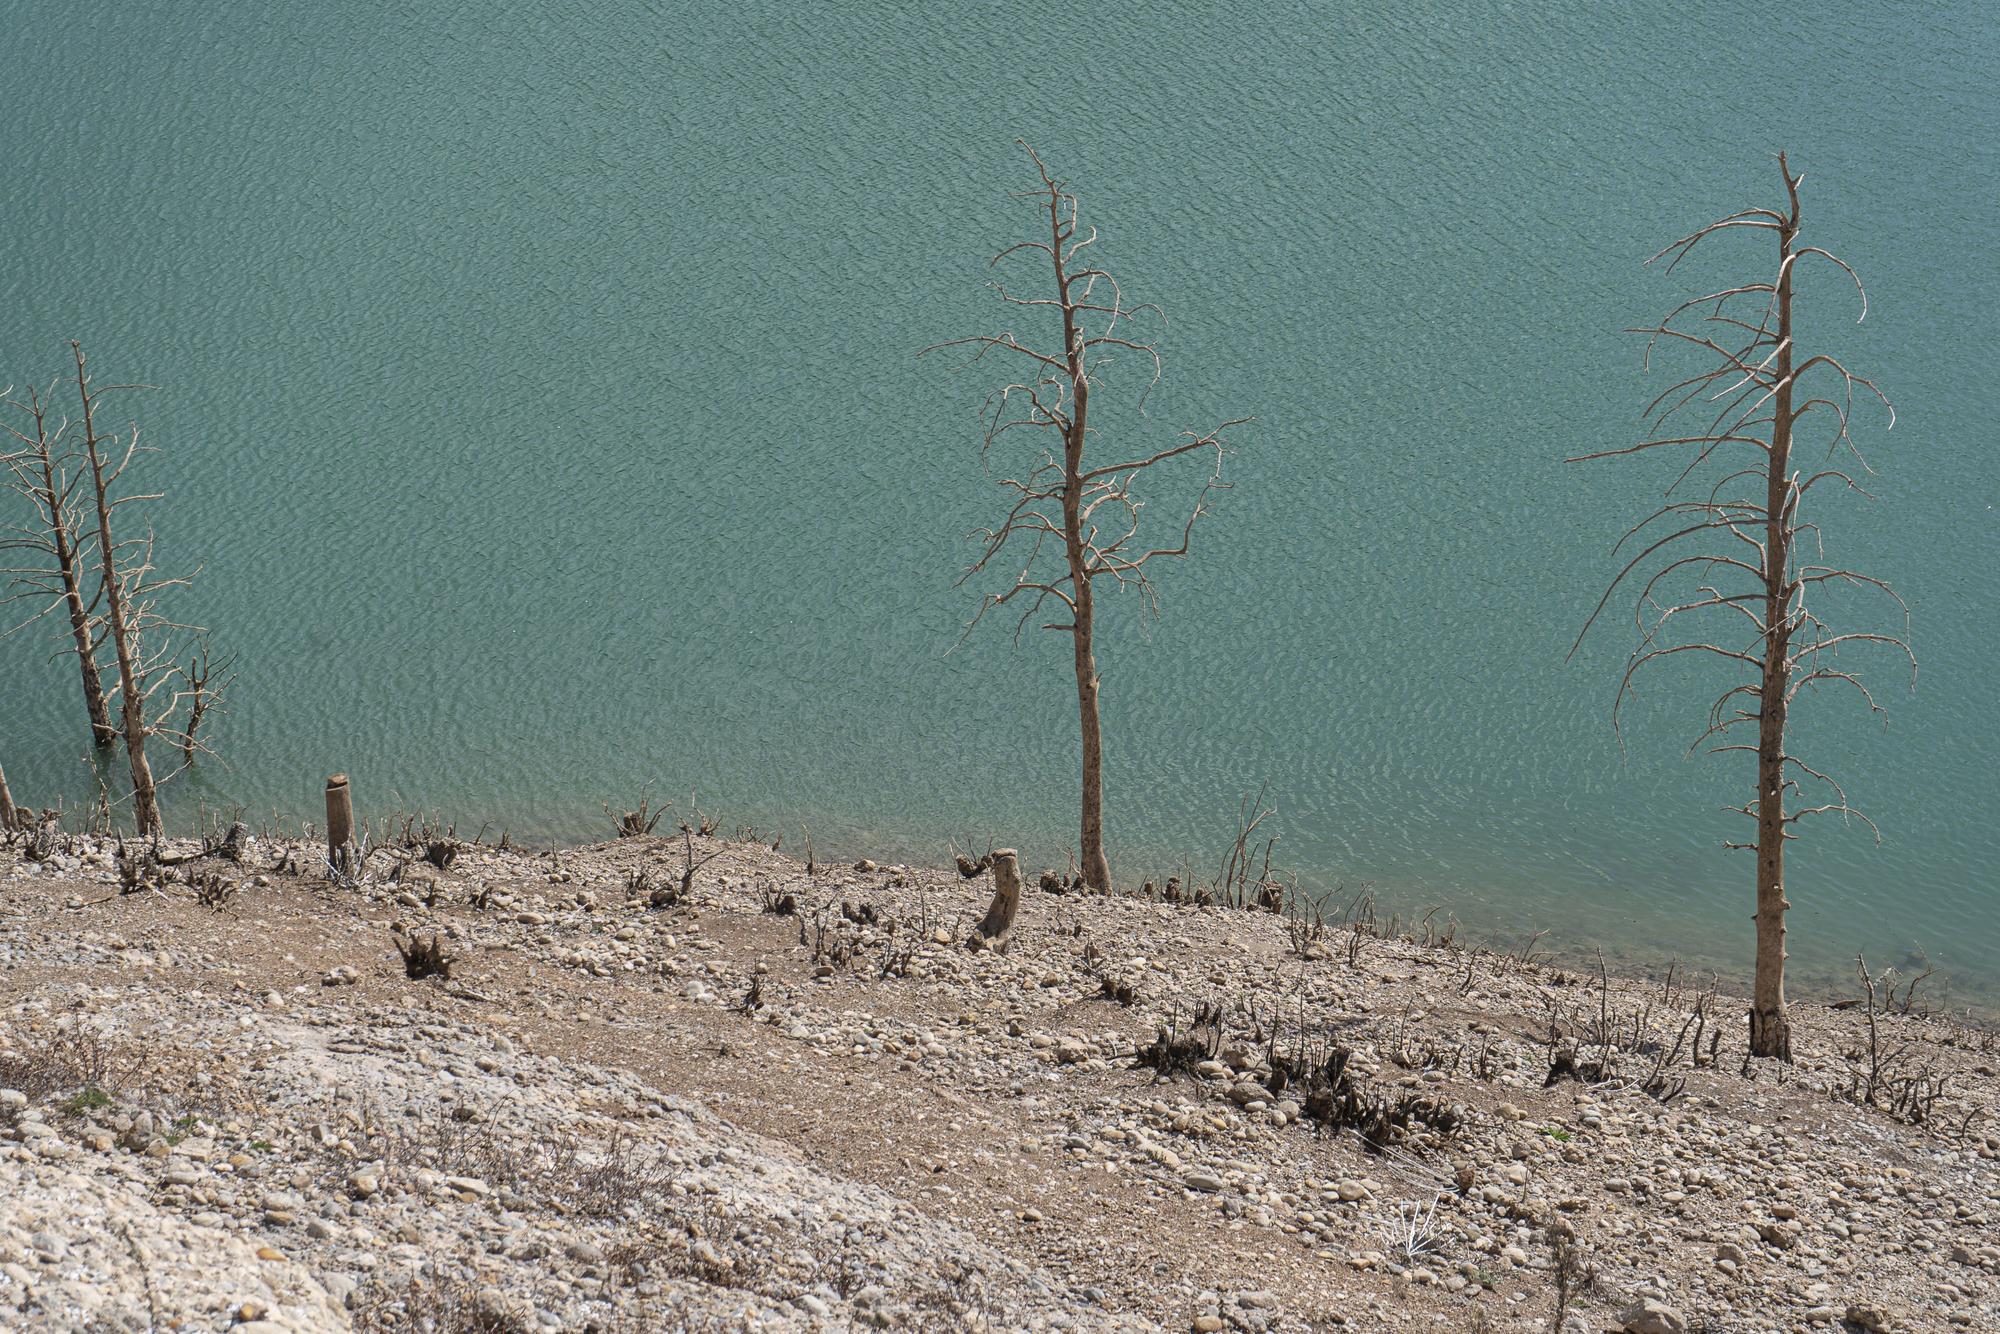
column 1089, row 511
column 1729, row 569
column 130, row 588
column 202, row 686
column 58, row 542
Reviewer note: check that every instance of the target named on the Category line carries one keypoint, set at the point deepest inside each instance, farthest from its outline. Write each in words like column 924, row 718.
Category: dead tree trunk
column 993, row 931
column 1091, row 511
column 1734, row 554
column 1095, row 868
column 115, row 592
column 339, row 824
column 10, row 815
column 43, row 475
column 1770, row 1026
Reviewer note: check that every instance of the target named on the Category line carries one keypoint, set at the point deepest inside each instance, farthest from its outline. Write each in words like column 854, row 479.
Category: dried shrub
column 830, row 936
column 1305, row 925
column 1317, row 1074
column 139, row 870
column 1572, row 1270
column 640, row 822
column 445, row 1303
column 63, row 1061
column 211, row 888
column 1880, row 1074
column 1178, row 1049
column 899, row 952
column 776, row 901
column 423, row 956
column 46, row 840
column 1591, row 1045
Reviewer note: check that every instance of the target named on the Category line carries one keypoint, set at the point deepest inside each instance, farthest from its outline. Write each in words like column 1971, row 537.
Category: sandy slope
column 595, row 1123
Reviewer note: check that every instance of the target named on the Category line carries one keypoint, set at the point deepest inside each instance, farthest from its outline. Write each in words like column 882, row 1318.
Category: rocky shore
column 792, row 1099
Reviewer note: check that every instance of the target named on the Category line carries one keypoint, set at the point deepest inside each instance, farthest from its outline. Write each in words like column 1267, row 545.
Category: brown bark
column 993, row 931
column 339, row 823
column 1770, row 1026
column 101, row 732
column 50, row 486
column 9, row 813
column 131, row 689
column 1094, row 866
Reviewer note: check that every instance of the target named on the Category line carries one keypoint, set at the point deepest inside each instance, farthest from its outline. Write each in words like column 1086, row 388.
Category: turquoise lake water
column 537, row 385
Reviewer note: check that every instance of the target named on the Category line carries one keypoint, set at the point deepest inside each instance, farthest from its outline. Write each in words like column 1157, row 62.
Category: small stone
column 1651, row 1317
column 499, row 1311
column 1782, row 1235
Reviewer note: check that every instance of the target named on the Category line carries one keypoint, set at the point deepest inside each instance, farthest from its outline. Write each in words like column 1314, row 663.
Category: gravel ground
column 787, row 1099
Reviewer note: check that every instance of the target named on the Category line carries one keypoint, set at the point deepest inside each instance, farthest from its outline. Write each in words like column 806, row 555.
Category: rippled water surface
column 537, row 384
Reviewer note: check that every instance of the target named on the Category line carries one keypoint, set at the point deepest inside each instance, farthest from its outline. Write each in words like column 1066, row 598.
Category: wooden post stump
column 340, row 850
column 992, row 933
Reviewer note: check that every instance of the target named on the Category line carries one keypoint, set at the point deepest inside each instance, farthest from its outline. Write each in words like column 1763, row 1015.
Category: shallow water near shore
column 539, row 392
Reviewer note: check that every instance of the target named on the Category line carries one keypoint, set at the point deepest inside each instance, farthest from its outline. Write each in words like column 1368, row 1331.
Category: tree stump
column 992, row 933
column 340, row 852
column 8, row 813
